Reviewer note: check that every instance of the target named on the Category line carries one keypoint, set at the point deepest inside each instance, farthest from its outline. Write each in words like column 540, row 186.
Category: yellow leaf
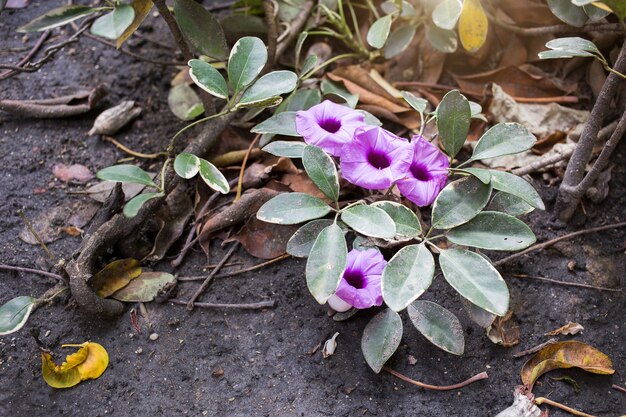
column 115, row 276
column 142, row 8
column 88, row 362
column 570, row 354
column 602, row 6
column 473, row 25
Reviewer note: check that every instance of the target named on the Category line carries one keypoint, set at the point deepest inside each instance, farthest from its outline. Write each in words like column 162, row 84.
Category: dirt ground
column 234, row 363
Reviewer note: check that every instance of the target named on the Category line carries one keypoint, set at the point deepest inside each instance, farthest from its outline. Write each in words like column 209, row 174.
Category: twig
column 535, row 349
column 33, row 271
column 132, row 54
column 235, row 157
column 207, row 281
column 478, row 377
column 571, row 284
column 131, row 152
column 243, row 168
column 28, row 56
column 617, row 387
column 36, row 235
column 551, row 242
column 237, row 272
column 544, row 400
column 295, row 27
column 270, row 7
column 556, row 29
column 247, row 306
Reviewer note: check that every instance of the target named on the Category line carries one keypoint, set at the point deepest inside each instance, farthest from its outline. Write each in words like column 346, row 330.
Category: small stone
column 139, row 351
column 571, row 265
column 154, row 336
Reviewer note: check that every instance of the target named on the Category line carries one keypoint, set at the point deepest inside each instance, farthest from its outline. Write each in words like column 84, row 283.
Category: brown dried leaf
column 504, row 331
column 569, row 329
column 49, row 224
column 264, row 240
column 115, row 276
column 562, row 355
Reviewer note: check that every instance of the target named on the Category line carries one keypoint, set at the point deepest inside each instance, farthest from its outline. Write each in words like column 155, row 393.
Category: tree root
column 95, row 246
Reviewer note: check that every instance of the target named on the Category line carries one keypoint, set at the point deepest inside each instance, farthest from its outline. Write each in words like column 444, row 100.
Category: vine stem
column 475, row 378
column 328, row 62
column 544, row 400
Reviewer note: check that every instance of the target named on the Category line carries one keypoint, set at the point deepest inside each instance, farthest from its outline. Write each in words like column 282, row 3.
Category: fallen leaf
column 14, row 313
column 76, row 172
column 504, row 331
column 101, row 191
column 115, row 276
column 49, row 224
column 329, row 346
column 569, row 329
column 72, row 231
column 184, row 102
column 473, row 25
column 562, row 355
column 145, row 287
column 88, row 362
column 264, row 240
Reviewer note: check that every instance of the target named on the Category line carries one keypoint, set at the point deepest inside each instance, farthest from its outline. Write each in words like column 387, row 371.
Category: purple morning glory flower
column 328, row 125
column 427, row 174
column 375, row 159
column 360, row 284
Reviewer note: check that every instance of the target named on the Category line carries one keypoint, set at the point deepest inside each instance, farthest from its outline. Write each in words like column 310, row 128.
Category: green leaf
column 298, row 50
column 186, row 165
column 441, row 39
column 126, row 173
column 14, row 313
column 145, row 287
column 503, row 139
column 302, row 241
column 213, row 177
column 399, row 40
column 476, row 279
column 482, row 174
column 287, row 149
column 381, row 338
column 407, row 224
column 201, row 29
column 493, row 230
column 459, row 202
column 208, row 78
column 595, row 13
column 57, row 17
column 447, row 13
column 113, row 25
column 292, row 208
column 322, row 171
column 279, row 124
column 308, row 65
column 302, row 99
column 512, row 184
column 370, row 221
column 247, row 59
column 438, row 325
column 407, row 275
column 326, row 263
column 184, row 102
column 379, row 32
column 391, row 6
column 134, row 204
column 568, row 12
column 453, row 121
column 419, row 104
column 330, row 88
column 570, row 47
column 509, row 204
column 268, row 86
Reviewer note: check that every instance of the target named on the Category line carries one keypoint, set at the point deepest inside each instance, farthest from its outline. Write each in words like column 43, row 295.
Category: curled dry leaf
column 88, row 362
column 330, row 345
column 76, row 172
column 504, row 331
column 110, row 121
column 145, row 287
column 562, row 355
column 569, row 329
column 115, row 276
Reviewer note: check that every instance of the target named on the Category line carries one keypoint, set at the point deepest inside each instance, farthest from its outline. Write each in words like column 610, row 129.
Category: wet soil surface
column 260, row 363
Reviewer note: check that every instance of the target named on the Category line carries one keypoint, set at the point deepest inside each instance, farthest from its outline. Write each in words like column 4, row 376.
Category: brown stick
column 571, row 284
column 270, row 7
column 535, row 349
column 132, row 54
column 33, row 51
column 237, row 272
column 544, row 400
column 478, row 377
column 296, row 26
column 617, row 387
column 247, row 306
column 243, row 168
column 551, row 242
column 208, row 279
column 32, row 271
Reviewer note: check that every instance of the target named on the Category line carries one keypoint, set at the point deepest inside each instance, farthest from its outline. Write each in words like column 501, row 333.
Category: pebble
column 154, row 336
column 139, row 351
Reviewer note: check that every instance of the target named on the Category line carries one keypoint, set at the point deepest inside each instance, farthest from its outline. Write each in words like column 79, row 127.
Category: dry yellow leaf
column 473, row 25
column 142, row 8
column 88, row 362
column 115, row 276
column 569, row 329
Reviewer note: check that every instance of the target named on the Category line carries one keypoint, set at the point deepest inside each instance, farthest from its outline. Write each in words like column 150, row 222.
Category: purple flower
column 427, row 174
column 375, row 159
column 360, row 284
column 328, row 125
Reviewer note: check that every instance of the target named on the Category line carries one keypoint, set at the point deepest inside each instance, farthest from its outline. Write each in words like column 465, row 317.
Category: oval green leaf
column 453, row 121
column 379, row 32
column 134, row 204
column 208, row 78
column 503, row 139
column 482, row 174
column 447, row 13
column 326, row 263
column 269, row 86
column 407, row 275
column 407, row 224
column 186, row 165
column 459, row 202
column 57, row 17
column 370, row 221
column 442, row 328
column 213, row 177
column 126, row 173
column 442, row 40
column 322, row 171
column 381, row 338
column 284, row 148
column 247, row 59
column 476, row 279
column 184, row 102
column 279, row 124
column 419, row 104
column 399, row 40
column 292, row 208
column 14, row 313
column 112, row 25
column 509, row 204
column 493, row 230
column 201, row 28
column 569, row 13
column 301, row 242
column 519, row 187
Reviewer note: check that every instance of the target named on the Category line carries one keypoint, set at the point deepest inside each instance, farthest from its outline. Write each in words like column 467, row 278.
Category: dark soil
column 235, row 363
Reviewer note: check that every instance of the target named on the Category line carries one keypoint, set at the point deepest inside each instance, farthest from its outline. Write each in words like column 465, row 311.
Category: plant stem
column 543, row 400
column 328, row 62
column 222, row 113
column 249, row 306
column 243, row 168
column 475, row 378
column 131, row 152
column 32, row 271
column 174, row 28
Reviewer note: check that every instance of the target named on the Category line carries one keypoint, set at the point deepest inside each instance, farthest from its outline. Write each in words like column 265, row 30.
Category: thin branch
column 132, row 54
column 571, row 284
column 617, row 387
column 544, row 400
column 28, row 56
column 174, row 28
column 556, row 29
column 36, row 235
column 535, row 349
column 295, row 27
column 551, row 242
column 247, row 306
column 207, row 281
column 32, row 271
column 131, row 152
column 270, row 7
column 478, row 377
column 237, row 272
